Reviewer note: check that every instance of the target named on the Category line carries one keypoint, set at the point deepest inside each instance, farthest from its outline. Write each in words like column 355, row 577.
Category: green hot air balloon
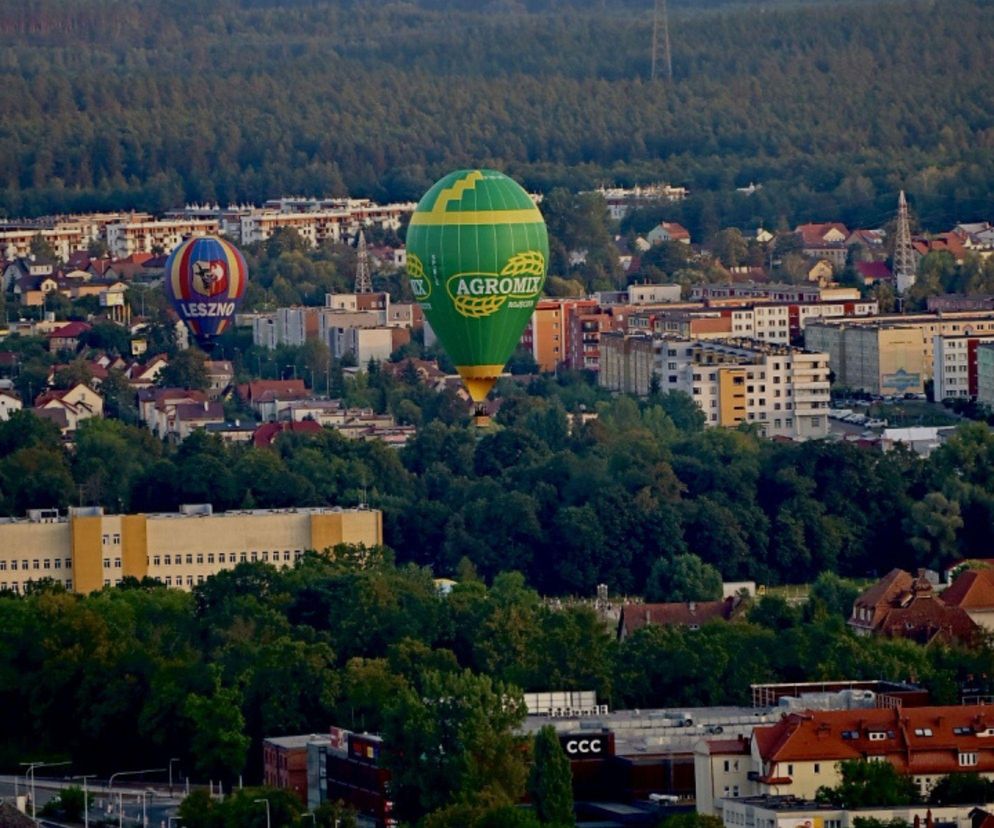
column 477, row 251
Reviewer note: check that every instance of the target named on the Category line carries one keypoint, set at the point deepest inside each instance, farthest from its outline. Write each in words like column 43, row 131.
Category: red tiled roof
column 914, row 739
column 726, row 747
column 636, row 616
column 879, row 596
column 906, row 607
column 192, row 412
column 69, row 331
column 973, row 589
column 813, row 235
column 873, row 270
column 256, row 388
column 267, row 432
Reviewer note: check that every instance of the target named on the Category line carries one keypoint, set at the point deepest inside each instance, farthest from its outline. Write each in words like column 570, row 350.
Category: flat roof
column 300, row 741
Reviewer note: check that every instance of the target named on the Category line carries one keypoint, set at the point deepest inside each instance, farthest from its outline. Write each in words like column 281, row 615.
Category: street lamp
column 266, row 803
column 120, row 798
column 86, row 799
column 171, row 775
column 31, row 773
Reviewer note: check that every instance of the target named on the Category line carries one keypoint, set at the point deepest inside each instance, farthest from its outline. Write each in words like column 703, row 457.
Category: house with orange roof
column 824, row 240
column 902, row 606
column 802, row 752
column 269, row 398
column 692, row 614
column 668, row 231
column 973, row 592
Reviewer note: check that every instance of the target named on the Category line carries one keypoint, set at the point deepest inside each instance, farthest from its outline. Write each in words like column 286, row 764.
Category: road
column 158, row 805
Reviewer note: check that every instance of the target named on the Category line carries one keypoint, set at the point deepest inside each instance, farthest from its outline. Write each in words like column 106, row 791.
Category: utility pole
column 904, row 254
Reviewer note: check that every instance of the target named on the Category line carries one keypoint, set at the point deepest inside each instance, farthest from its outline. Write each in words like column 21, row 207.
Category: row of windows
column 37, row 563
column 15, row 586
column 265, row 556
column 111, row 540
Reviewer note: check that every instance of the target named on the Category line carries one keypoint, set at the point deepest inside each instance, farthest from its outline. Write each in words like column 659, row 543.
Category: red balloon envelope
column 205, row 282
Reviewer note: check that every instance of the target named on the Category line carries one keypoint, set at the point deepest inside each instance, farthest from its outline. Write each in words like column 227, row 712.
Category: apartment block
column 66, row 234
column 985, row 374
column 782, row 389
column 87, row 549
column 955, row 364
column 890, row 354
column 320, row 220
column 151, row 235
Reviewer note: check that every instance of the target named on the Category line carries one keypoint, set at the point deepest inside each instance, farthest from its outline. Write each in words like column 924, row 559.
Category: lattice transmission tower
column 904, row 253
column 661, row 41
column 363, row 279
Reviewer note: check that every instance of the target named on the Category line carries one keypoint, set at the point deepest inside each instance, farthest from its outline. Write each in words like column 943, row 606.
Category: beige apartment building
column 87, row 549
column 127, row 237
column 782, row 389
column 889, row 354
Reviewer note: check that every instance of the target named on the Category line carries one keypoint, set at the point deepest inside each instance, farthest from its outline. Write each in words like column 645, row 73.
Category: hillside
column 831, row 106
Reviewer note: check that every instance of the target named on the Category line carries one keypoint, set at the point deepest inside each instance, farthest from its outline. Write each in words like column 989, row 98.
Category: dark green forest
column 832, row 107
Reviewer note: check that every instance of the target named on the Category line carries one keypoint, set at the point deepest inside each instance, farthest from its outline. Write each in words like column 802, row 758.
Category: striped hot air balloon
column 205, row 281
column 477, row 251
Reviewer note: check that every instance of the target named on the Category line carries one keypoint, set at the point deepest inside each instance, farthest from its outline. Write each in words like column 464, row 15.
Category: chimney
column 929, row 822
column 692, row 606
column 205, row 405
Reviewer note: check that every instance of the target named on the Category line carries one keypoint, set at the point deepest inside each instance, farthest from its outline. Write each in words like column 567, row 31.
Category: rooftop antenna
column 363, row 281
column 661, row 28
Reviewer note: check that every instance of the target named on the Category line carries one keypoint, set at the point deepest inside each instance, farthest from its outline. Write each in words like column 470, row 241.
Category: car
column 664, row 799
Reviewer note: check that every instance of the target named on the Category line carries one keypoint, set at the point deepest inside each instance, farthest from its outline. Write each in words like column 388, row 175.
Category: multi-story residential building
column 66, row 234
column 782, row 389
column 621, row 201
column 87, row 549
column 548, row 331
column 768, row 321
column 155, row 235
column 364, row 343
column 773, row 292
column 321, row 220
column 954, row 360
column 891, row 354
column 985, row 374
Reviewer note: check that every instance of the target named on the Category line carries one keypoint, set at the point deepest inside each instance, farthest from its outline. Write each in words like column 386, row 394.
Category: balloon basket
column 481, row 419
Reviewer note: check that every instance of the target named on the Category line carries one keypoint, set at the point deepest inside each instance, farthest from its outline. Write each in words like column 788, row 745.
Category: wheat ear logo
column 478, row 295
column 420, row 283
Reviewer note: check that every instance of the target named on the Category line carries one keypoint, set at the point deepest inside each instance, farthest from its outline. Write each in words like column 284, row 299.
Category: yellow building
column 88, row 550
